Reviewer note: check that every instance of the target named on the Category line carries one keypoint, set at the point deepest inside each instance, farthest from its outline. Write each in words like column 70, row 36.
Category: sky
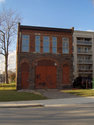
column 11, row 62
column 54, row 13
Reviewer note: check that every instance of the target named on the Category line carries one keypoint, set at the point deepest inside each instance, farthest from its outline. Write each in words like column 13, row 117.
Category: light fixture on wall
column 55, row 64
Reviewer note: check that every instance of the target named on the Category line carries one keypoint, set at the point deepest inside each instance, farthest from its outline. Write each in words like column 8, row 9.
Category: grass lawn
column 10, row 86
column 19, row 96
column 8, row 93
column 80, row 92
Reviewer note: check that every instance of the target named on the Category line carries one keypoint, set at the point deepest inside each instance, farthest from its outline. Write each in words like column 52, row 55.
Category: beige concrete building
column 83, row 51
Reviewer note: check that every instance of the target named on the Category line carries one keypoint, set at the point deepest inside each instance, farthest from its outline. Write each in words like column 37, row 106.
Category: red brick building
column 44, row 58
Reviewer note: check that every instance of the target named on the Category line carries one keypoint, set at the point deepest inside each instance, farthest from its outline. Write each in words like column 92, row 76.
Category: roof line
column 25, row 27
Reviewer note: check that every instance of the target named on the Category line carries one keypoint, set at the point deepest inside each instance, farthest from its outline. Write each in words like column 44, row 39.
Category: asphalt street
column 78, row 114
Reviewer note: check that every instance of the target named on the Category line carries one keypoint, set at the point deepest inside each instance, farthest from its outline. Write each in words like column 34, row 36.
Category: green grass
column 80, row 92
column 8, row 93
column 10, row 86
column 7, row 85
column 19, row 96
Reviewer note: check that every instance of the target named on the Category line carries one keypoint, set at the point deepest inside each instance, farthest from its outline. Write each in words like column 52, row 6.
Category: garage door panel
column 45, row 77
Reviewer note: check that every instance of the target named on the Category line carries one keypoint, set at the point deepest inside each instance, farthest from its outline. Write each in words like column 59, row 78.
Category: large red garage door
column 24, row 76
column 45, row 77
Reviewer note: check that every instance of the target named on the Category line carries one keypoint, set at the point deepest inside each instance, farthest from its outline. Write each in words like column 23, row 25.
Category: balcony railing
column 90, row 72
column 85, row 69
column 85, row 52
column 85, row 61
column 84, row 42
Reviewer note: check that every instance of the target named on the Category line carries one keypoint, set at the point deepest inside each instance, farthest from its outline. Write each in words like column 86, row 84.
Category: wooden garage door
column 66, row 74
column 46, row 77
column 24, row 76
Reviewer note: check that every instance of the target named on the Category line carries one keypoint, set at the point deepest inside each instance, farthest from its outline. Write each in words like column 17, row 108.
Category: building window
column 65, row 45
column 46, row 44
column 86, row 49
column 25, row 43
column 54, row 44
column 37, row 43
column 79, row 49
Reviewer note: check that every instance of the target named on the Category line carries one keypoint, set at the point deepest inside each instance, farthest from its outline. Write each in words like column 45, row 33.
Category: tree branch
column 1, row 40
column 2, row 48
column 2, row 54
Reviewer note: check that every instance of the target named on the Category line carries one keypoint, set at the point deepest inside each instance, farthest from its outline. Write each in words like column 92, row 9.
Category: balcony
column 84, row 42
column 85, row 69
column 85, row 62
column 85, row 52
column 85, row 73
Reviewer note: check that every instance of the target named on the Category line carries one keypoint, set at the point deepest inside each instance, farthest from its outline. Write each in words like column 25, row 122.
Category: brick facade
column 63, row 63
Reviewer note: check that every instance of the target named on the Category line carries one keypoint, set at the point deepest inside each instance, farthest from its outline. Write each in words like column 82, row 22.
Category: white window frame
column 64, row 41
column 25, row 46
column 44, row 40
column 53, row 44
column 36, row 44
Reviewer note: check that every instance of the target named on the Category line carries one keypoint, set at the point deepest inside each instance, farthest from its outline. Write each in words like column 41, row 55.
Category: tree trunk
column 6, row 69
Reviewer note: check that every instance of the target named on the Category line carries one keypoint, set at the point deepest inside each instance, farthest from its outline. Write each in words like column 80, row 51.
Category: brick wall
column 59, row 36
column 33, row 59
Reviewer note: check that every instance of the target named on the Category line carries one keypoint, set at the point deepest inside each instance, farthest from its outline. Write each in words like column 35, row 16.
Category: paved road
column 80, row 114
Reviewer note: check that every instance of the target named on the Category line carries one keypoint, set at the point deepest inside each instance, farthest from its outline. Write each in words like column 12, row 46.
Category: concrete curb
column 67, row 105
column 38, row 105
column 20, row 105
column 48, row 103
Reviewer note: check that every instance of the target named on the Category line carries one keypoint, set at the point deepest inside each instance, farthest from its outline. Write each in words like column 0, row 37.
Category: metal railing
column 84, row 42
column 84, row 52
column 84, row 61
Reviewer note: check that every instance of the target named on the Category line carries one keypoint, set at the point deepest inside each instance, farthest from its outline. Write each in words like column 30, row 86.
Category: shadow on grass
column 10, row 95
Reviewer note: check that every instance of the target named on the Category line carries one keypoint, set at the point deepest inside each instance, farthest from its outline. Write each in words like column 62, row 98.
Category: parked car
column 82, row 82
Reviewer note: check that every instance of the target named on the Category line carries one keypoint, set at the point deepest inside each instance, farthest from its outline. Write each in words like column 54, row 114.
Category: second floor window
column 54, row 44
column 46, row 44
column 25, row 43
column 37, row 43
column 65, row 45
column 79, row 49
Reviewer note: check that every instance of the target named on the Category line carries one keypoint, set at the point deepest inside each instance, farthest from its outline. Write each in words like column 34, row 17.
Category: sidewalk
column 47, row 103
column 52, row 93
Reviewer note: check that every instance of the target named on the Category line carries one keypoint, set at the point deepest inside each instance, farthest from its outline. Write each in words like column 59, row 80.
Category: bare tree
column 8, row 29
